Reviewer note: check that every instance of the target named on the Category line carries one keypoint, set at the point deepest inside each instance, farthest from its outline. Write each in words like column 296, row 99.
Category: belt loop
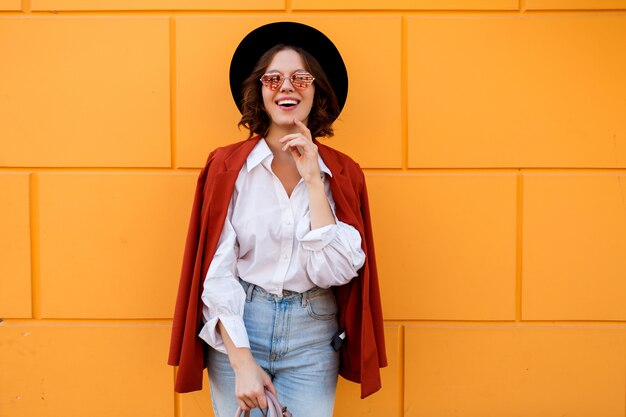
column 305, row 298
column 249, row 292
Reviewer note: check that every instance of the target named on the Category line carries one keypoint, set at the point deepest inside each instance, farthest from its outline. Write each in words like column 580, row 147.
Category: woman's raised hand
column 303, row 151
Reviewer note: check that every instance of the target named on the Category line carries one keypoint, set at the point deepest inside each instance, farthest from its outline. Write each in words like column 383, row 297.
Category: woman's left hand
column 303, row 151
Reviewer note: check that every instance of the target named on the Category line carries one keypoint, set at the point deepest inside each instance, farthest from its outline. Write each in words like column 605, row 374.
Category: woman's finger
column 291, row 136
column 251, row 402
column 262, row 401
column 298, row 142
column 243, row 405
column 270, row 387
column 302, row 127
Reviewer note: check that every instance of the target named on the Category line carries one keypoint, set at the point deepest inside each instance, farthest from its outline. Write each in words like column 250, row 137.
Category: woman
column 279, row 220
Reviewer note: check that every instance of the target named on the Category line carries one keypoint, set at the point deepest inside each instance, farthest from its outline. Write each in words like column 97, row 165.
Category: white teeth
column 287, row 102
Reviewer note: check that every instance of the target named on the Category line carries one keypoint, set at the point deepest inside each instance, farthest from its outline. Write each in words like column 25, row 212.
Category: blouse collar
column 261, row 153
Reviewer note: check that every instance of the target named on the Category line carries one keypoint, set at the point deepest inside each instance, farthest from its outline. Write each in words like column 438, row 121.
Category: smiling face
column 287, row 102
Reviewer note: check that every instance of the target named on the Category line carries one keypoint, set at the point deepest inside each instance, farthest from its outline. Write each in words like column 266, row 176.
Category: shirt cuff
column 234, row 327
column 318, row 239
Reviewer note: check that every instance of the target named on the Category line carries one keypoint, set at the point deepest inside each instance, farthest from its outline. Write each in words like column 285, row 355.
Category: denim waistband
column 254, row 291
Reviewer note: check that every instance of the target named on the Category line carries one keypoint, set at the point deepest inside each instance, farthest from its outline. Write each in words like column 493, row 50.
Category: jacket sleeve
column 373, row 354
column 182, row 308
column 186, row 351
column 360, row 312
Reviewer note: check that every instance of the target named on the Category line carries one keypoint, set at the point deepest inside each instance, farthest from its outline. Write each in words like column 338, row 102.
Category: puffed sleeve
column 222, row 296
column 334, row 254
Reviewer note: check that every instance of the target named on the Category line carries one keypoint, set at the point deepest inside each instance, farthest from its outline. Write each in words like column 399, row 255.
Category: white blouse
column 267, row 240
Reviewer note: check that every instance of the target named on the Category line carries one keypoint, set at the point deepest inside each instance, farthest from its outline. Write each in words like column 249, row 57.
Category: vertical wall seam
column 401, row 361
column 404, row 120
column 288, row 6
column 26, row 7
column 35, row 267
column 173, row 100
column 522, row 6
column 519, row 218
column 178, row 412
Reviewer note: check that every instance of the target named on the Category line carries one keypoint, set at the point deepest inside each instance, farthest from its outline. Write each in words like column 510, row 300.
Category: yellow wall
column 493, row 136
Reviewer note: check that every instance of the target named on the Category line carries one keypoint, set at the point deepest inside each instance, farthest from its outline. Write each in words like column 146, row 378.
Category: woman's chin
column 287, row 123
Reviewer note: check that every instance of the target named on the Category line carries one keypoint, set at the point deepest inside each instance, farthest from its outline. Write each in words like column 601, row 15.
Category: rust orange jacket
column 360, row 312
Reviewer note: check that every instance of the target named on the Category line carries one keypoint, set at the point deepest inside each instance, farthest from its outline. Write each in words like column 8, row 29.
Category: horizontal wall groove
column 496, row 170
column 411, row 322
column 576, row 11
column 158, row 12
column 312, row 13
column 123, row 170
column 85, row 322
column 511, row 323
column 95, row 170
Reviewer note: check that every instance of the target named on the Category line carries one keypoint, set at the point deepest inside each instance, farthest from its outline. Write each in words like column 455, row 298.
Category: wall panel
column 89, row 91
column 386, row 402
column 445, row 245
column 111, row 245
column 15, row 278
column 518, row 91
column 370, row 127
column 197, row 403
column 10, row 5
column 207, row 116
column 574, row 247
column 100, row 370
column 514, row 371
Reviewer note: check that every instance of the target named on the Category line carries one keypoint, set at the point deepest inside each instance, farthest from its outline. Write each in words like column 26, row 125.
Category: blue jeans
column 290, row 339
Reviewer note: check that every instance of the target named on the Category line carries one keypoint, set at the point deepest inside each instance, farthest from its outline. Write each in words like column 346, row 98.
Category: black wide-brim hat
column 261, row 39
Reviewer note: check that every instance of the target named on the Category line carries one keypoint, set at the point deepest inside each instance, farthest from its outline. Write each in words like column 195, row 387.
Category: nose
column 287, row 86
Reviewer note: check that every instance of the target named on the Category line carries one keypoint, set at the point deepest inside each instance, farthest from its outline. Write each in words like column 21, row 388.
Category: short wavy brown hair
column 325, row 107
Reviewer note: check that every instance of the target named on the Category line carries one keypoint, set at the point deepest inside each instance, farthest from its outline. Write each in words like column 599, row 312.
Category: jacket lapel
column 226, row 175
column 220, row 186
